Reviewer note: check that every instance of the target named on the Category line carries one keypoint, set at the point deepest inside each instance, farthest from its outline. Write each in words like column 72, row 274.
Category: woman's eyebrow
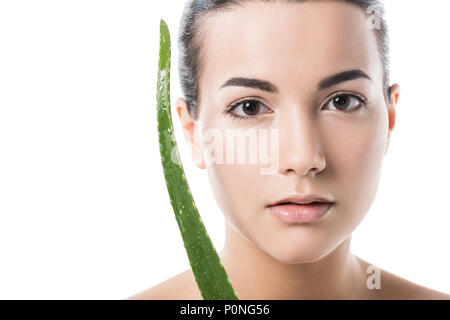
column 270, row 87
column 341, row 77
column 251, row 83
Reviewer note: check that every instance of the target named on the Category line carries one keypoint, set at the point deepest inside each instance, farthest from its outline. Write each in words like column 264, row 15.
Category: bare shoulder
column 179, row 287
column 394, row 287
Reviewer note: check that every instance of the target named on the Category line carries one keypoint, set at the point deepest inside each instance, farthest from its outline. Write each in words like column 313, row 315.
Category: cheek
column 355, row 154
column 236, row 187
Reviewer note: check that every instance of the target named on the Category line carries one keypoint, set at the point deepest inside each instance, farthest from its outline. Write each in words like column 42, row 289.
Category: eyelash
column 228, row 111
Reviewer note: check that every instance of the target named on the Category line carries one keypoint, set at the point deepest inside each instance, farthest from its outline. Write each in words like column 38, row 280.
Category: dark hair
column 190, row 40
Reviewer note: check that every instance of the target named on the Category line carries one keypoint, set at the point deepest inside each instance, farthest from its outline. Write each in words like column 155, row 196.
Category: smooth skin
column 322, row 150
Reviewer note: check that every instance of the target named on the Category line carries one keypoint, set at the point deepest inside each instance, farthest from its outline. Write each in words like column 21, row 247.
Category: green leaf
column 208, row 270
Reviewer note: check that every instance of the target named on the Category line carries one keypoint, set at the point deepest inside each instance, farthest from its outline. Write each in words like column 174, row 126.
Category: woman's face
column 322, row 149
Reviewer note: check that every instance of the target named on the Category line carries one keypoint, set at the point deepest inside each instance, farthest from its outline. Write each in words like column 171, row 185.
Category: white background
column 84, row 210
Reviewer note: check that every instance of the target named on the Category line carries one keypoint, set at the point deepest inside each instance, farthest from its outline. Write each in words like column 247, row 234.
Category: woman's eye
column 247, row 109
column 252, row 108
column 346, row 102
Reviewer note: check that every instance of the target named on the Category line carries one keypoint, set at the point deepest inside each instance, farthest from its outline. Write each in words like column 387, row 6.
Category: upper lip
column 302, row 199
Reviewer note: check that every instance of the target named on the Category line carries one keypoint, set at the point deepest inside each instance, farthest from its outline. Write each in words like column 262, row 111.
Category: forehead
column 290, row 43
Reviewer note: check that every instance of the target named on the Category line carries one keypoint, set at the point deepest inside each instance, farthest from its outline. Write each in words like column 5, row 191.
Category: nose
column 300, row 146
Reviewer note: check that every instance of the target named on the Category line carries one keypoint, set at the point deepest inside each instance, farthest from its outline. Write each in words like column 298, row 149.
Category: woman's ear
column 394, row 93
column 189, row 131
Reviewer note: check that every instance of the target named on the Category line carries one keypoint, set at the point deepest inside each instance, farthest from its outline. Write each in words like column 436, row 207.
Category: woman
column 318, row 72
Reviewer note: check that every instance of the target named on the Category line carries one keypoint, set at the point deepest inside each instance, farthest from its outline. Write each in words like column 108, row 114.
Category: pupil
column 341, row 101
column 251, row 107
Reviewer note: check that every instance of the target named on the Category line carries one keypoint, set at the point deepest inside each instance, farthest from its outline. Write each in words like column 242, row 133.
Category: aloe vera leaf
column 209, row 273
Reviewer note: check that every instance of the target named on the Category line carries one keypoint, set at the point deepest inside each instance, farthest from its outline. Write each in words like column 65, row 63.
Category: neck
column 255, row 274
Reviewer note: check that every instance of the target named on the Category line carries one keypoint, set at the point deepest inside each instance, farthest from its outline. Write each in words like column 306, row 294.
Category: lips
column 298, row 200
column 295, row 203
column 300, row 213
column 298, row 209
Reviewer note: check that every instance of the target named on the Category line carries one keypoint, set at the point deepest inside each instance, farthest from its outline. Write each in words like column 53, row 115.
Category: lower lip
column 300, row 213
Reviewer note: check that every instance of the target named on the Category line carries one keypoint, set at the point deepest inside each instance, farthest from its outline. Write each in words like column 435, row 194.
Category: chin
column 296, row 253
